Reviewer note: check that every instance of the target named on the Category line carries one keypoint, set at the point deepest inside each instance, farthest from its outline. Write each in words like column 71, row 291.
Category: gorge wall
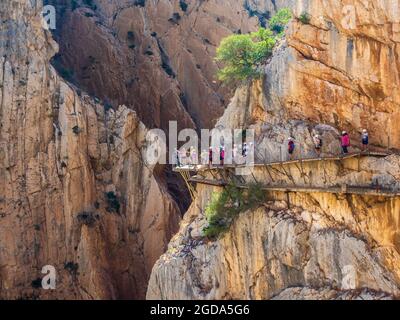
column 75, row 192
column 156, row 57
column 325, row 77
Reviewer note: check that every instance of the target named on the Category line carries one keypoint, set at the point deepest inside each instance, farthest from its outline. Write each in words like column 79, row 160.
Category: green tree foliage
column 280, row 20
column 225, row 206
column 305, row 18
column 243, row 54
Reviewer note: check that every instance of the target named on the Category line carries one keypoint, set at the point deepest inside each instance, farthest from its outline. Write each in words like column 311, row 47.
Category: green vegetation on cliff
column 279, row 21
column 243, row 54
column 225, row 206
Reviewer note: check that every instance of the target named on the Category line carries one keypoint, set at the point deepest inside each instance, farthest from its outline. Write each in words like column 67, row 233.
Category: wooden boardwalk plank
column 204, row 168
column 357, row 190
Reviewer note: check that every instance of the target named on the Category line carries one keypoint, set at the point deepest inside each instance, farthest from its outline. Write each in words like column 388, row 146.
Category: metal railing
column 261, row 160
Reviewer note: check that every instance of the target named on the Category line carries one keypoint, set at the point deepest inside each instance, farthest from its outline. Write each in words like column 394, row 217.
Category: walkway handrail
column 358, row 190
column 195, row 168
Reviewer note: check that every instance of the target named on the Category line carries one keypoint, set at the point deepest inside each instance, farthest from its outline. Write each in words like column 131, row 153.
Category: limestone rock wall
column 158, row 57
column 342, row 68
column 304, row 240
column 275, row 248
column 322, row 79
column 74, row 190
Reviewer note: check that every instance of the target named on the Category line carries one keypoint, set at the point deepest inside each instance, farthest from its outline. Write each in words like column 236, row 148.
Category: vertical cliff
column 75, row 192
column 325, row 77
column 346, row 62
column 156, row 57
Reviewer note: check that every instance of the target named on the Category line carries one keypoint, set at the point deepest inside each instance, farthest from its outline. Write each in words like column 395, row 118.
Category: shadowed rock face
column 322, row 79
column 75, row 192
column 157, row 57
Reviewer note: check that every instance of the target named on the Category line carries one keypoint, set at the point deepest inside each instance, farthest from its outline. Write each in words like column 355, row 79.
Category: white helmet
column 344, row 132
column 365, row 131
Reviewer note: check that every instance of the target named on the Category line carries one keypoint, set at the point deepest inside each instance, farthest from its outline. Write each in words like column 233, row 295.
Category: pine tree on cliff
column 242, row 54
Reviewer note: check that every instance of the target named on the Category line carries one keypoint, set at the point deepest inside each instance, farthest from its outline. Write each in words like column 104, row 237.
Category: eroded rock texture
column 308, row 240
column 343, row 72
column 156, row 57
column 272, row 249
column 301, row 245
column 74, row 190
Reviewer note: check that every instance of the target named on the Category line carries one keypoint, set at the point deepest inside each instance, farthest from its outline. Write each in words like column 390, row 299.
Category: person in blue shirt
column 365, row 140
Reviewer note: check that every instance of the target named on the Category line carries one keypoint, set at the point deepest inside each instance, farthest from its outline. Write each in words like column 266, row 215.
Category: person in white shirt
column 318, row 144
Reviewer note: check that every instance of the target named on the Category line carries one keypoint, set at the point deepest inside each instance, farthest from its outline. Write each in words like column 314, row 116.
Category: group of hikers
column 188, row 157
column 344, row 140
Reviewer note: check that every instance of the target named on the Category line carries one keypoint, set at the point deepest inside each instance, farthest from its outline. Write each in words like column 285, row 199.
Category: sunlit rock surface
column 324, row 78
column 156, row 57
column 74, row 190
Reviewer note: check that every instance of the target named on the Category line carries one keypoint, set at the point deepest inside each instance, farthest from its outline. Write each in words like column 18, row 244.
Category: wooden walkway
column 199, row 168
column 188, row 172
column 356, row 190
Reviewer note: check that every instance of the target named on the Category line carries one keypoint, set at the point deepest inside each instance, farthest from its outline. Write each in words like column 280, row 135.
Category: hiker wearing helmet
column 365, row 140
column 291, row 147
column 345, row 140
column 318, row 144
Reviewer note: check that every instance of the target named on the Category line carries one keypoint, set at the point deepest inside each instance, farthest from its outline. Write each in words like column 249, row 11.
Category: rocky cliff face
column 324, row 78
column 156, row 57
column 310, row 241
column 342, row 68
column 74, row 190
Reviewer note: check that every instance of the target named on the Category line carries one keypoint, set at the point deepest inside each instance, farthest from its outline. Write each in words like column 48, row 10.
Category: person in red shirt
column 291, row 147
column 345, row 140
column 222, row 155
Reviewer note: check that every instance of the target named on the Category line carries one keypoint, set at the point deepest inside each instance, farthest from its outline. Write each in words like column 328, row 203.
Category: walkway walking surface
column 373, row 190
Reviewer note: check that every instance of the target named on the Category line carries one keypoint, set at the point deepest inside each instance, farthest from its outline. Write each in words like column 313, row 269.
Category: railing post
column 301, row 152
column 301, row 162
